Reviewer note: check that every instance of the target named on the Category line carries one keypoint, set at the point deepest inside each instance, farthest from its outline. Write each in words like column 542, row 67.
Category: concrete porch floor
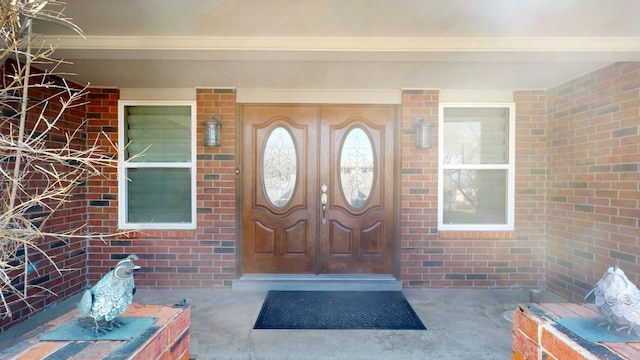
column 461, row 324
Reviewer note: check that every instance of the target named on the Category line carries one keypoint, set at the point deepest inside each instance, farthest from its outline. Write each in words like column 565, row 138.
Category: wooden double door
column 318, row 189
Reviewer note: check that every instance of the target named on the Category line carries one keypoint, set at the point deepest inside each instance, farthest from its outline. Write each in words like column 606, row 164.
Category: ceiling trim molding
column 561, row 44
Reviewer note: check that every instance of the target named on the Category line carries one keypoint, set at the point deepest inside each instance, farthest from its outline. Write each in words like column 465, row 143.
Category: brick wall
column 422, row 252
column 593, row 187
column 67, row 254
column 576, row 197
column 536, row 335
column 167, row 338
column 207, row 256
column 476, row 259
column 576, row 207
column 102, row 118
column 204, row 257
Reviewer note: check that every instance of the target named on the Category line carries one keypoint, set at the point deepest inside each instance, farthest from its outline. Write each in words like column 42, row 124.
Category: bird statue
column 618, row 299
column 111, row 296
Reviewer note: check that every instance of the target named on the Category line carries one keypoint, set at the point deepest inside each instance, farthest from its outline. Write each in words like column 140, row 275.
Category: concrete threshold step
column 265, row 282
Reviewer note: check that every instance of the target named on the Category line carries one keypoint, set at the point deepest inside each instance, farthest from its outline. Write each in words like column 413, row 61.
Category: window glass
column 279, row 167
column 476, row 169
column 476, row 136
column 159, row 195
column 158, row 133
column 157, row 172
column 356, row 168
column 475, row 196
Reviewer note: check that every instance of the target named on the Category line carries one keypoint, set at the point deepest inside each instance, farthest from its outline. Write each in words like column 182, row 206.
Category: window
column 477, row 167
column 156, row 176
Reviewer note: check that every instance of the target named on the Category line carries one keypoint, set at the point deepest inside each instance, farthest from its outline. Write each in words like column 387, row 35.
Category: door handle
column 323, row 202
column 324, row 213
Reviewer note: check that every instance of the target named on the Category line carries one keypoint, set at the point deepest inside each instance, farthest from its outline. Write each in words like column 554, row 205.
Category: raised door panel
column 358, row 168
column 280, row 150
column 290, row 154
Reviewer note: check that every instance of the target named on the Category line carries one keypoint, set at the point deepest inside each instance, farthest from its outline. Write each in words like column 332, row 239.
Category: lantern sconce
column 424, row 133
column 211, row 131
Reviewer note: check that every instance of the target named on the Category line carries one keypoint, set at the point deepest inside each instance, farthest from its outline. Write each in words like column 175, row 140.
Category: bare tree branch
column 44, row 159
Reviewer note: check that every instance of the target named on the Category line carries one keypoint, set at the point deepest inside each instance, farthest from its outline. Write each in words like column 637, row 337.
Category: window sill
column 477, row 234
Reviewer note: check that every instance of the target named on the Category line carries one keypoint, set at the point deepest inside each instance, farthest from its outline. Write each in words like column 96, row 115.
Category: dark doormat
column 383, row 310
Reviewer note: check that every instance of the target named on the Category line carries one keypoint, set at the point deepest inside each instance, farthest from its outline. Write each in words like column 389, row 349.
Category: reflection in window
column 158, row 133
column 477, row 168
column 476, row 136
column 475, row 196
column 158, row 195
column 356, row 168
column 157, row 180
column 279, row 167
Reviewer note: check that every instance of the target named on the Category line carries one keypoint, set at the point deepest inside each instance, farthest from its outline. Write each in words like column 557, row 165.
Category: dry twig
column 44, row 162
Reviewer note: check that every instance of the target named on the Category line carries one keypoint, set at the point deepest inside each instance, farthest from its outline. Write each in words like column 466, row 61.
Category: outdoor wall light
column 424, row 133
column 211, row 131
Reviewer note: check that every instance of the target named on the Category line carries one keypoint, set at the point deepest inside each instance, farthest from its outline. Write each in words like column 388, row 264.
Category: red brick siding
column 471, row 258
column 204, row 257
column 593, row 187
column 422, row 254
column 102, row 115
column 207, row 256
column 575, row 151
column 69, row 255
column 576, row 206
column 535, row 335
column 168, row 339
column 102, row 130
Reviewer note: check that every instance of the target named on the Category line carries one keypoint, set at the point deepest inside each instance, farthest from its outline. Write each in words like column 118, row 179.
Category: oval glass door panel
column 356, row 168
column 279, row 167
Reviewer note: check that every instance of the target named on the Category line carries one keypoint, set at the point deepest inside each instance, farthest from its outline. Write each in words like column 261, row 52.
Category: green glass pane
column 158, row 133
column 159, row 195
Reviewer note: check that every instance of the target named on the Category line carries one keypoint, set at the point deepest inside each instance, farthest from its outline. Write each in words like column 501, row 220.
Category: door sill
column 336, row 282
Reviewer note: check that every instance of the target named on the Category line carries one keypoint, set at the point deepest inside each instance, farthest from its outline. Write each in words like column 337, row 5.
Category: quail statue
column 618, row 299
column 111, row 296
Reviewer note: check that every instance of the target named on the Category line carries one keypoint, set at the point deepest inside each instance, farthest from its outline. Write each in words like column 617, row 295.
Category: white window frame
column 510, row 167
column 123, row 165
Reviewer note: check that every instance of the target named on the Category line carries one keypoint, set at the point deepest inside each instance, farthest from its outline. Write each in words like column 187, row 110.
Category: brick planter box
column 170, row 340
column 536, row 335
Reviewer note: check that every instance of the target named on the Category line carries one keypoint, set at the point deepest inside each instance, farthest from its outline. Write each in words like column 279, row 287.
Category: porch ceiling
column 345, row 44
